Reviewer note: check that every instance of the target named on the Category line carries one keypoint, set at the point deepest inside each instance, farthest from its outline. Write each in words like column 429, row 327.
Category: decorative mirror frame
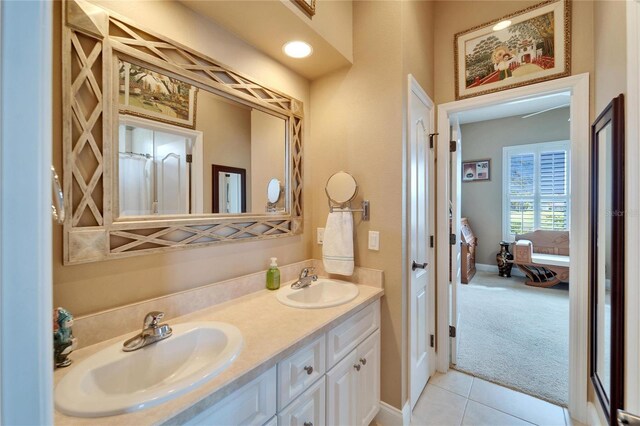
column 613, row 114
column 92, row 40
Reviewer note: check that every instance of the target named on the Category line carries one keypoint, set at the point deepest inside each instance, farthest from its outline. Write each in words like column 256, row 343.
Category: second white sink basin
column 323, row 293
column 114, row 382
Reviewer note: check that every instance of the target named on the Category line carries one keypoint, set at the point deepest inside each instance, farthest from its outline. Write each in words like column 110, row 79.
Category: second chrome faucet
column 152, row 332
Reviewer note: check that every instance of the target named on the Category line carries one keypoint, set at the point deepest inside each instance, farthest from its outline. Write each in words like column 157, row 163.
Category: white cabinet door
column 368, row 379
column 342, row 389
column 307, row 410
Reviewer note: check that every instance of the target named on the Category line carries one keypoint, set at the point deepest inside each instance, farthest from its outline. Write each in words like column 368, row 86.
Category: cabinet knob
column 309, row 370
column 308, row 424
column 363, row 361
column 357, row 367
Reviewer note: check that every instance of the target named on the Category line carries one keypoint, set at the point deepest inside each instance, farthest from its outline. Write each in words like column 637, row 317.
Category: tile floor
column 456, row 398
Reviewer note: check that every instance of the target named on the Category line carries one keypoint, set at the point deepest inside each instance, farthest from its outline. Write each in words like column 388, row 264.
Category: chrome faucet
column 304, row 280
column 152, row 332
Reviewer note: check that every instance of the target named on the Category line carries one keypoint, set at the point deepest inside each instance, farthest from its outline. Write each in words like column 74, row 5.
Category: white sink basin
column 114, row 382
column 323, row 293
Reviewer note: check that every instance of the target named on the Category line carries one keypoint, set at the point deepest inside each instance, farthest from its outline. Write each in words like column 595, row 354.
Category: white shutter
column 536, row 191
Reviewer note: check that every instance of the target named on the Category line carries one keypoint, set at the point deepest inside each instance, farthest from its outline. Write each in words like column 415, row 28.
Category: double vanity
column 308, row 356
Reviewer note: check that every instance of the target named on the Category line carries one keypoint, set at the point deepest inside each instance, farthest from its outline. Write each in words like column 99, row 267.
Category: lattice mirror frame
column 93, row 39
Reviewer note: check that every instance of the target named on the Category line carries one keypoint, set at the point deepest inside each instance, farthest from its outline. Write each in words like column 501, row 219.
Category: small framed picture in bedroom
column 476, row 170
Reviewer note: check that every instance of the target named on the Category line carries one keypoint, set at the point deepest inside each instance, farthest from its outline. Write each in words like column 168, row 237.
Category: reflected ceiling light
column 297, row 49
column 501, row 25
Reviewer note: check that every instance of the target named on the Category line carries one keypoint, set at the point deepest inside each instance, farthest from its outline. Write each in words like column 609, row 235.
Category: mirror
column 273, row 191
column 607, row 257
column 341, row 188
column 183, row 150
column 229, row 189
column 144, row 120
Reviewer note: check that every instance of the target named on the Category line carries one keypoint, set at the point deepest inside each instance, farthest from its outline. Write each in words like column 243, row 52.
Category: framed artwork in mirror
column 606, row 253
column 154, row 95
column 525, row 47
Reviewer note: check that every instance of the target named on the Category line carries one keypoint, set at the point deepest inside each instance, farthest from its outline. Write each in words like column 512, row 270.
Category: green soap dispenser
column 273, row 275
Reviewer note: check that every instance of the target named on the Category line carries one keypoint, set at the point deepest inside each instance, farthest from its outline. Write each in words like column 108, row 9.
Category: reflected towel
column 337, row 247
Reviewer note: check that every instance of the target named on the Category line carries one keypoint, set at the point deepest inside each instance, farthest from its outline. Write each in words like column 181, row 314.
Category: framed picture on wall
column 526, row 47
column 476, row 170
column 307, row 6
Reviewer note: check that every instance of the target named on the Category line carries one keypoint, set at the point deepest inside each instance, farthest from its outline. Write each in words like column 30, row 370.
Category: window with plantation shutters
column 535, row 188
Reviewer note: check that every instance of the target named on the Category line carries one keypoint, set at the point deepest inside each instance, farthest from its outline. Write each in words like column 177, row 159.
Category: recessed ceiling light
column 501, row 25
column 297, row 49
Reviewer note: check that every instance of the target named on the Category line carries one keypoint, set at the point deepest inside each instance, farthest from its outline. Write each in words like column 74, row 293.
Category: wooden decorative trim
column 93, row 39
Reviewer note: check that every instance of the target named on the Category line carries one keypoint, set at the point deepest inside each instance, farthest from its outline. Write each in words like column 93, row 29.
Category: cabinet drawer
column 252, row 404
column 343, row 338
column 300, row 370
column 306, row 410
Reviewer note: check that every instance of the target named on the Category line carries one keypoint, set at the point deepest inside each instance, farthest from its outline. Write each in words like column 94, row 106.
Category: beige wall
column 93, row 287
column 267, row 157
column 610, row 41
column 482, row 201
column 226, row 129
column 455, row 16
column 357, row 126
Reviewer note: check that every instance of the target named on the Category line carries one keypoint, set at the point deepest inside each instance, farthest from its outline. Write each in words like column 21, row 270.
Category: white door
column 420, row 262
column 456, row 205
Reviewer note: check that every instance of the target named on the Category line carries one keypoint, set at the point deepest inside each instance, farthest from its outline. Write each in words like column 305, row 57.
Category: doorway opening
column 577, row 158
column 514, row 200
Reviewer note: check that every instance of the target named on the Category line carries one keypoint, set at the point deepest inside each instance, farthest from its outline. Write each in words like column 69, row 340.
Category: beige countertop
column 271, row 331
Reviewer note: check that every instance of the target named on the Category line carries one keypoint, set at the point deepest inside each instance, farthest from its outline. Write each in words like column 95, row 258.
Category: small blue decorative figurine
column 63, row 341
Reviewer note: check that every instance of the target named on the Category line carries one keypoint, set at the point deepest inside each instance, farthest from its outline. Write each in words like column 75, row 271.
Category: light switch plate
column 374, row 240
column 320, row 236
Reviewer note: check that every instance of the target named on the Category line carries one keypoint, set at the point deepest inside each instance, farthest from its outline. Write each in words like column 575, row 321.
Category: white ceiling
column 520, row 107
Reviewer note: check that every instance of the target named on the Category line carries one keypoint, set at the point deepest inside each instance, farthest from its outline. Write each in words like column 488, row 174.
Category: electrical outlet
column 320, row 237
column 374, row 240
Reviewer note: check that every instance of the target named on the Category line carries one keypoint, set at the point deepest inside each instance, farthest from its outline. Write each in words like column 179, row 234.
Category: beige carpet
column 515, row 335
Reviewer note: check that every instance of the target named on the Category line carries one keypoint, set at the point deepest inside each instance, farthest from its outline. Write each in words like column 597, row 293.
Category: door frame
column 578, row 85
column 26, row 306
column 413, row 87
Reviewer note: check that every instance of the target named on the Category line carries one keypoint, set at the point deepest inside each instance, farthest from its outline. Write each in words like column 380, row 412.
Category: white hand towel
column 337, row 247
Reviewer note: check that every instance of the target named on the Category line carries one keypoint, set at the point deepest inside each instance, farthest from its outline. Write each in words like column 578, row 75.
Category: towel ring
column 341, row 189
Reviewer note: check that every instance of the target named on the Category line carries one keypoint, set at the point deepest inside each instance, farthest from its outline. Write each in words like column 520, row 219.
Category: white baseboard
column 388, row 415
column 483, row 267
column 391, row 416
column 594, row 416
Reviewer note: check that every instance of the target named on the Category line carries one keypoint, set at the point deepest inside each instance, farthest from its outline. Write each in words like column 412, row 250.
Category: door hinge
column 453, row 146
column 189, row 158
column 452, row 239
column 431, row 136
column 431, row 241
column 452, row 331
column 432, row 340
